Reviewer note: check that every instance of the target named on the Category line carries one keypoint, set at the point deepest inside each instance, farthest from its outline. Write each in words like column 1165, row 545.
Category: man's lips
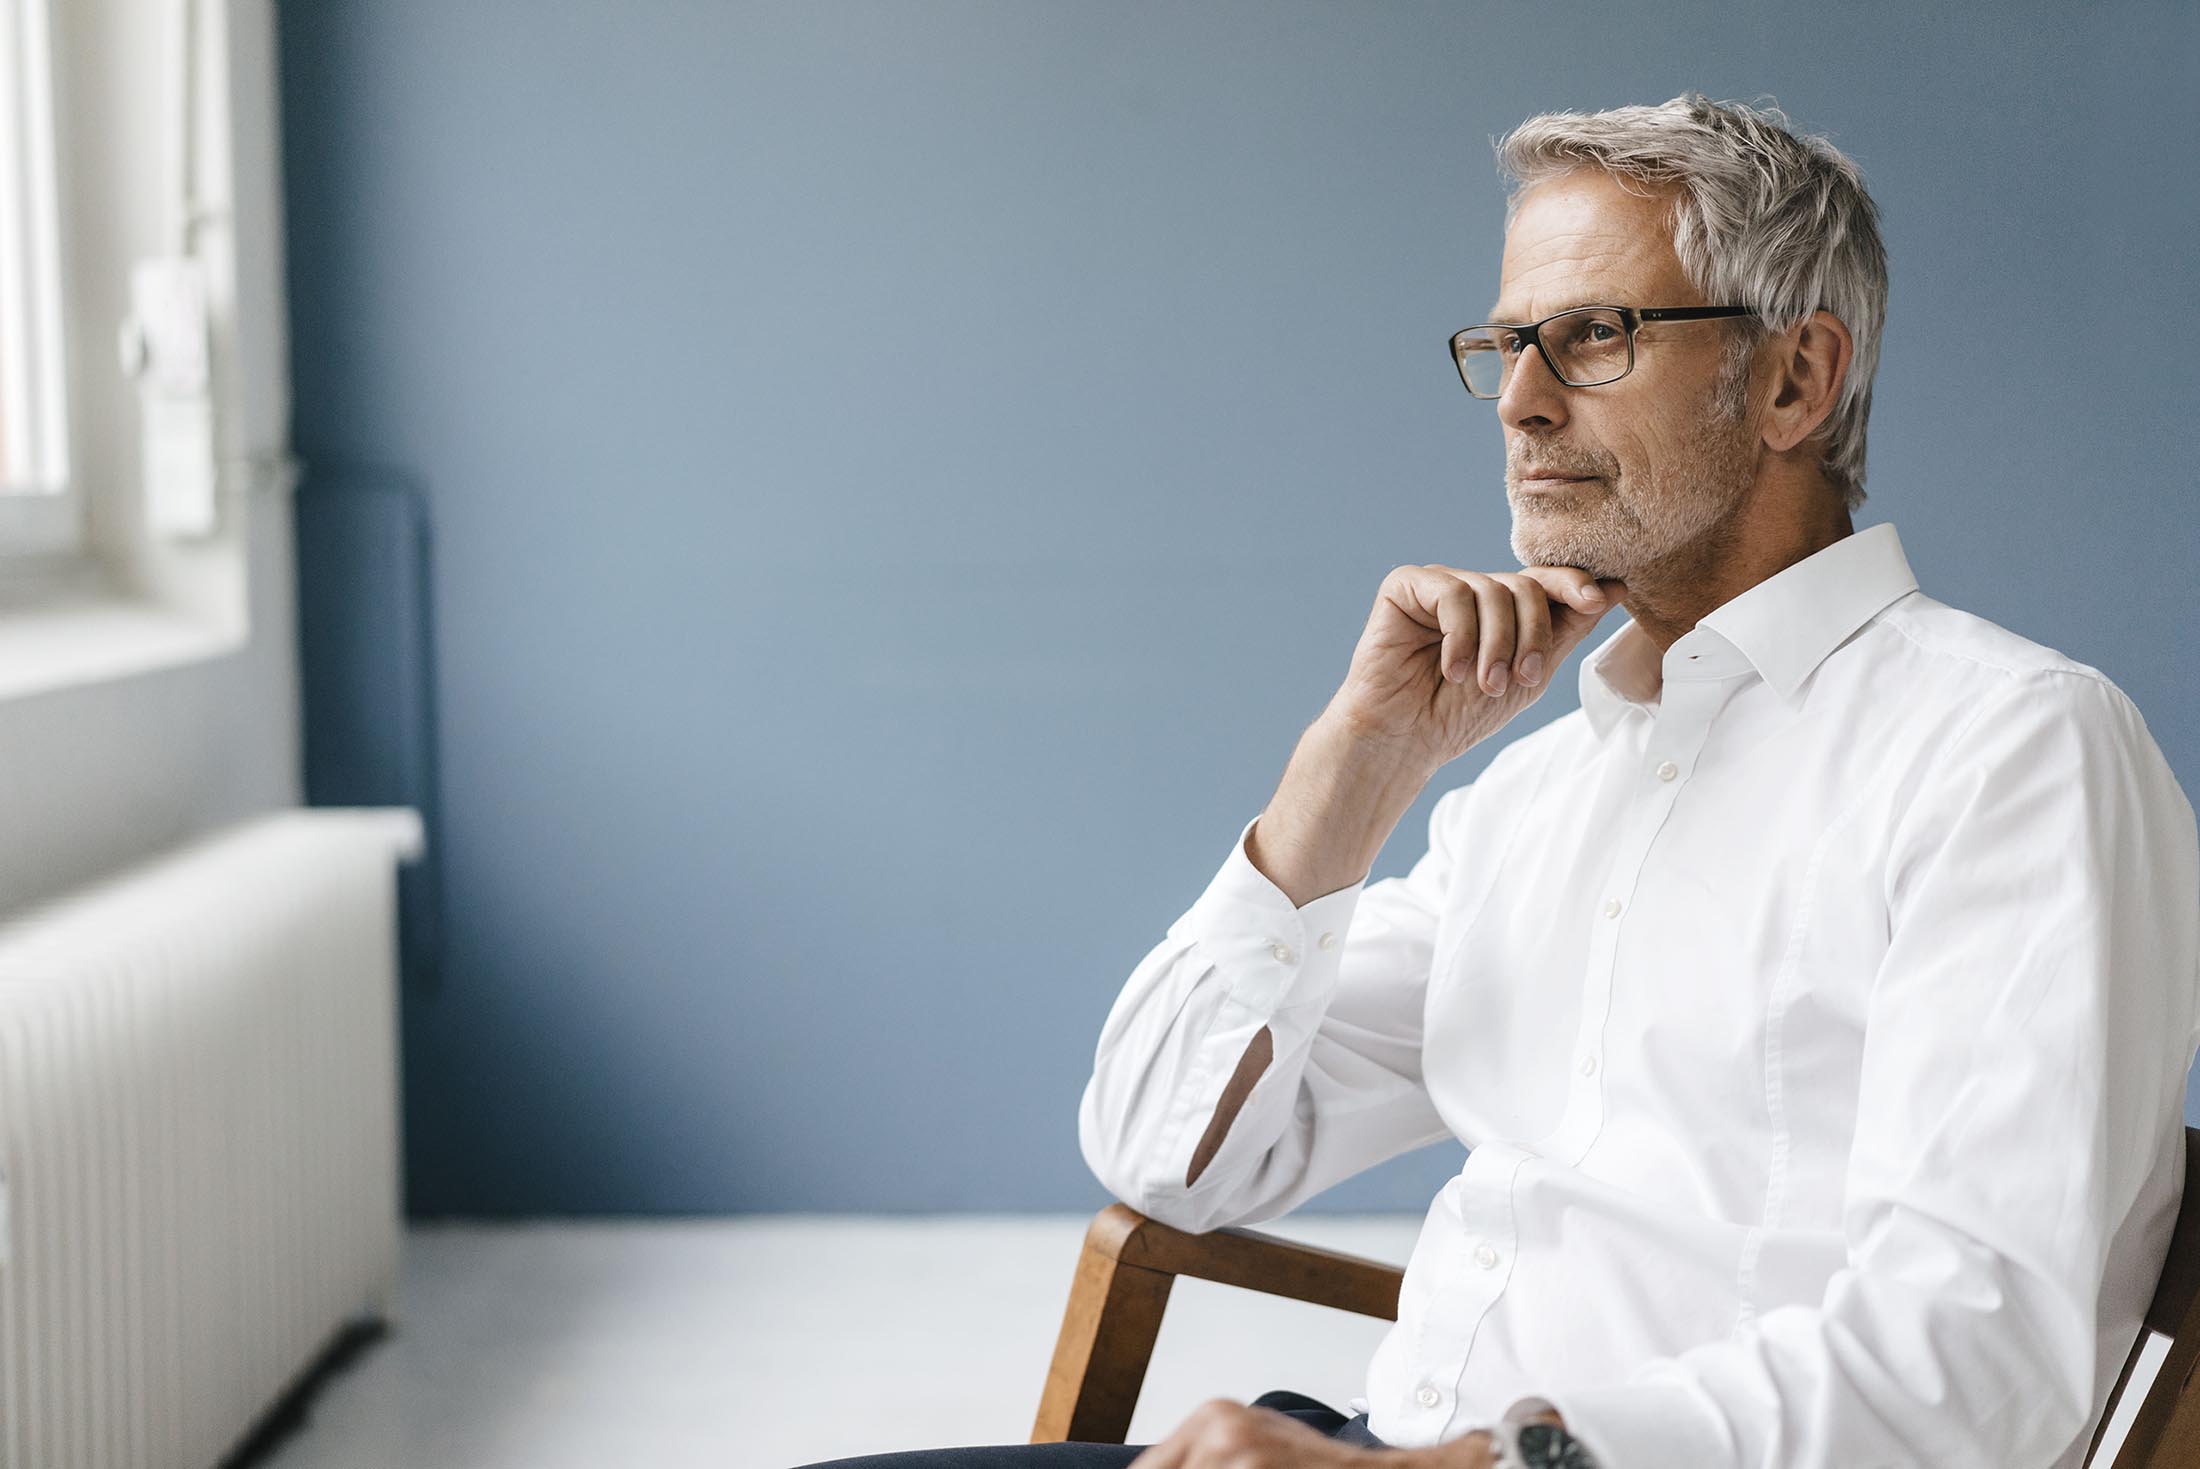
column 1549, row 479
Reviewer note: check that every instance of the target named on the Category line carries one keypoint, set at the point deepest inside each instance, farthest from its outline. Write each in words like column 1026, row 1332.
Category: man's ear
column 1813, row 362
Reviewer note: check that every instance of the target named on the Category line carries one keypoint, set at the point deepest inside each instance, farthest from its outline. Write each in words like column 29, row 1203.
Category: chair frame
column 1129, row 1262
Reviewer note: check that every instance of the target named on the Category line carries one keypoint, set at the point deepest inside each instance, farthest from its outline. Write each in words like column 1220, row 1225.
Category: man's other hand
column 1222, row 1434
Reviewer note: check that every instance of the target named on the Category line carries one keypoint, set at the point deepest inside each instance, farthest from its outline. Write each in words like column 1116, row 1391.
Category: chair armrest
column 1250, row 1260
column 1121, row 1289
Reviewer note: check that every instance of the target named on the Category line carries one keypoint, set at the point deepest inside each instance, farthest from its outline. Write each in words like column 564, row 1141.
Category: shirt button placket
column 1469, row 1281
column 1584, row 1105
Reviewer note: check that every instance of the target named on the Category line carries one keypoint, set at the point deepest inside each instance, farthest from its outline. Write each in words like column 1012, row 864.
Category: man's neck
column 1775, row 527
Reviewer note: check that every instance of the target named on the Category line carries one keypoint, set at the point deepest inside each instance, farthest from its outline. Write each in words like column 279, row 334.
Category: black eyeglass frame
column 1630, row 317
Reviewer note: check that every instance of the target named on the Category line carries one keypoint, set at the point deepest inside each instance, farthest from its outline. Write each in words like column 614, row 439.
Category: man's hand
column 1474, row 1451
column 1222, row 1434
column 1448, row 657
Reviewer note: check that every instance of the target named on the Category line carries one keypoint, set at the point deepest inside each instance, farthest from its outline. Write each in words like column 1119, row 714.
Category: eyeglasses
column 1585, row 347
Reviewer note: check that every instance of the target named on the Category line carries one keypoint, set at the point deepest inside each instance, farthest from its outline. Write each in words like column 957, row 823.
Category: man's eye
column 1611, row 332
column 1508, row 343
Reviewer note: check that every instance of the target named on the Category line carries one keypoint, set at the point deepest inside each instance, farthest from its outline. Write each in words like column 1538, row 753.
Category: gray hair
column 1764, row 217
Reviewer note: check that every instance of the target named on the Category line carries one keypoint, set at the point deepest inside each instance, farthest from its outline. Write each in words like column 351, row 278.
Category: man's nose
column 1532, row 394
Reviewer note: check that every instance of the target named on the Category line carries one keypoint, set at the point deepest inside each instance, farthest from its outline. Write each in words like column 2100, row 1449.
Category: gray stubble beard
column 1680, row 513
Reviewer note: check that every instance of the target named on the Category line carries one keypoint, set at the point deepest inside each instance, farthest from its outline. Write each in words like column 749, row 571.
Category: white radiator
column 198, row 1137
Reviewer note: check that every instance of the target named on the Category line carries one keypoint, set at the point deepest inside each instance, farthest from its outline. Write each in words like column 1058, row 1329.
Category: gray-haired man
column 1816, row 1002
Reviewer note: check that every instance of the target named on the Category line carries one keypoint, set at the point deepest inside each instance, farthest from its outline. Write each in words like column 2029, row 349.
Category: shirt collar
column 1785, row 625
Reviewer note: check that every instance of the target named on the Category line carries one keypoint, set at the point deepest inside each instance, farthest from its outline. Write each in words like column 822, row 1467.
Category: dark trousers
column 1313, row 1414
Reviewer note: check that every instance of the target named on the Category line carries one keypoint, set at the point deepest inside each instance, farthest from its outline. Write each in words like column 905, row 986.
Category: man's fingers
column 1578, row 601
column 1493, row 605
column 1532, row 628
column 1167, row 1454
column 1462, row 628
column 1443, row 597
column 1502, row 628
column 1572, row 628
column 1571, row 586
column 1212, row 1433
column 1480, row 619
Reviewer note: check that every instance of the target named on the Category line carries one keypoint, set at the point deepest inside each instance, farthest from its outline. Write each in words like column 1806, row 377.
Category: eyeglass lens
column 1584, row 347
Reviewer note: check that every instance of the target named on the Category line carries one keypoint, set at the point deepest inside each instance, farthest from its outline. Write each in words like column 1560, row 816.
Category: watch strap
column 1573, row 1453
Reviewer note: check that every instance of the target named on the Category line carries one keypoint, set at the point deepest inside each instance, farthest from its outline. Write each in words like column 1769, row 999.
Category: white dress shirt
column 1816, row 1004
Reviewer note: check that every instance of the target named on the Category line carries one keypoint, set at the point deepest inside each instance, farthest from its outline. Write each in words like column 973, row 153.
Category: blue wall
column 902, row 476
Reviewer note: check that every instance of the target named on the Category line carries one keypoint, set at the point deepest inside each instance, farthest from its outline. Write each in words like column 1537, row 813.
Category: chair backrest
column 2165, row 1432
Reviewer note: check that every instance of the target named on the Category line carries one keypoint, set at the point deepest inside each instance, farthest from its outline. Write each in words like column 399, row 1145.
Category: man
column 1816, row 1002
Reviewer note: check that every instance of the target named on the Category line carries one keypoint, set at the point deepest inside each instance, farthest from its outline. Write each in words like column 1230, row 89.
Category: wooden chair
column 1129, row 1262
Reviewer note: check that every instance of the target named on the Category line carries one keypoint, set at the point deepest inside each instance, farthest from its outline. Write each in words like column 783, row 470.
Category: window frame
column 41, row 505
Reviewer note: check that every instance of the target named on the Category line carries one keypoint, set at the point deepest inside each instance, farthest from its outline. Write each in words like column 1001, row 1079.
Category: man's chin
column 1536, row 544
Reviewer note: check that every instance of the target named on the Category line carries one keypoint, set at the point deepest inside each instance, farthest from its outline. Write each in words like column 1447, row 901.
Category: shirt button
column 1282, row 952
column 1589, row 1065
column 1427, row 1395
column 1328, row 941
column 1485, row 1256
column 1668, row 770
column 1611, row 907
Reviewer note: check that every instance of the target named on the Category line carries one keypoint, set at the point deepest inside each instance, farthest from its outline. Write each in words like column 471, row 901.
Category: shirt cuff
column 1641, row 1424
column 1280, row 955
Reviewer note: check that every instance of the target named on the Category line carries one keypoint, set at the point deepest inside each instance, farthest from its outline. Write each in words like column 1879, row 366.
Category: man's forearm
column 1340, row 798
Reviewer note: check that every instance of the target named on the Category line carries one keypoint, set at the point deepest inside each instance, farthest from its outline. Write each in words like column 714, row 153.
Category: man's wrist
column 1338, row 802
column 1528, row 1443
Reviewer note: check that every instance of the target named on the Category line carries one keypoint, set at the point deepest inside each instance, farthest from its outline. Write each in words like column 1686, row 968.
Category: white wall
column 98, row 774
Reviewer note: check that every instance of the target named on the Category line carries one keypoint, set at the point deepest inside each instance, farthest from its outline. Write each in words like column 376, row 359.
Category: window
column 38, row 511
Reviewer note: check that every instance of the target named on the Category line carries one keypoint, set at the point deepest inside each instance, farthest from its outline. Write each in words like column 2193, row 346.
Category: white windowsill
column 67, row 620
column 89, row 636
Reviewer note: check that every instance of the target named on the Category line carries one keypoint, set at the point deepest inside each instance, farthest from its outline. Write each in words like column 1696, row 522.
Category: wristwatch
column 1539, row 1446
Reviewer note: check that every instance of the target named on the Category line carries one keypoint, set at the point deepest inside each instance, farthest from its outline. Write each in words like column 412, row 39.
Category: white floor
column 772, row 1341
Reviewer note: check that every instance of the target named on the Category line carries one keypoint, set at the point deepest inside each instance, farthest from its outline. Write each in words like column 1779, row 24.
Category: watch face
column 1547, row 1446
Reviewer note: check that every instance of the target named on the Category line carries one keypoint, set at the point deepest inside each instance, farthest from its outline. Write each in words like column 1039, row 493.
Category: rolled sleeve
column 1340, row 984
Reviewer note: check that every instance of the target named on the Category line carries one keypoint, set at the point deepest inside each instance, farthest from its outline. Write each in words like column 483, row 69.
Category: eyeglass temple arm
column 1690, row 313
